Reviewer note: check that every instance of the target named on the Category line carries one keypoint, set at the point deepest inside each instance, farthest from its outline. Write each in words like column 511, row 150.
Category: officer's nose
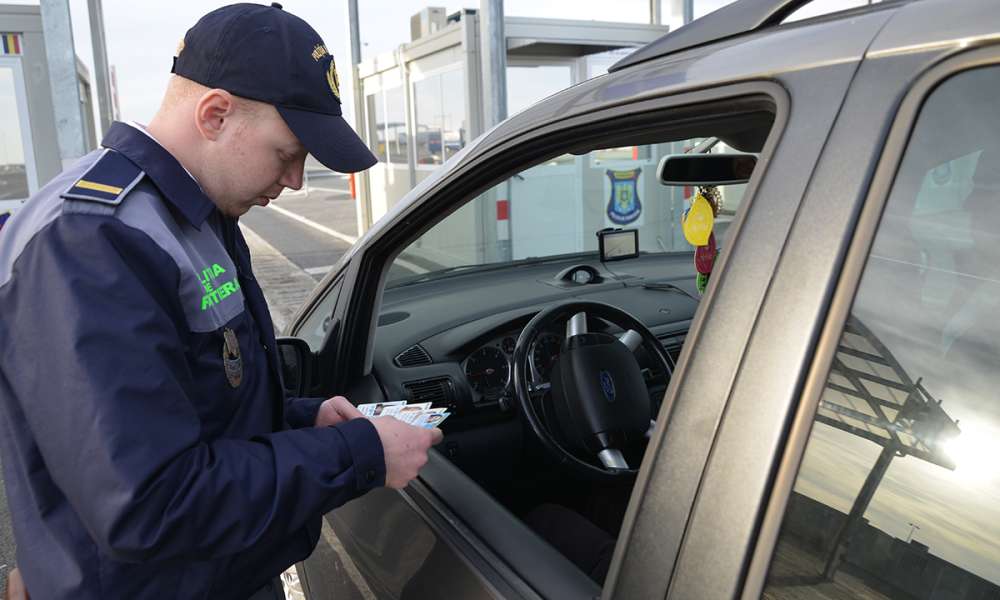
column 292, row 177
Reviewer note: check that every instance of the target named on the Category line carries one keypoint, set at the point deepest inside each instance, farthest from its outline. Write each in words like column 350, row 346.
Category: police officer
column 147, row 446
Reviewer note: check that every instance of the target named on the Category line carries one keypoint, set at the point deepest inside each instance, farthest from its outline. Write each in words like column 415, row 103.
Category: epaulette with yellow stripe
column 107, row 181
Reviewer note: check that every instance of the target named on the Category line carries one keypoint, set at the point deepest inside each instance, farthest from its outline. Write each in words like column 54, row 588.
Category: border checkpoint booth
column 29, row 144
column 424, row 101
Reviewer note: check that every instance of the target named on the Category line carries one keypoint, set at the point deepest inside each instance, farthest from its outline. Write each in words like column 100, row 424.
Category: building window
column 13, row 170
column 527, row 84
column 441, row 126
column 387, row 125
column 395, row 125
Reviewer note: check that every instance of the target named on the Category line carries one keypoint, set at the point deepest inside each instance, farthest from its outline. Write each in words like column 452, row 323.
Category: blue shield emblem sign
column 624, row 206
column 608, row 386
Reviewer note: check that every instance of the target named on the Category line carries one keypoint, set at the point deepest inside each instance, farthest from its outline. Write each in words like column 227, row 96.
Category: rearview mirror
column 706, row 169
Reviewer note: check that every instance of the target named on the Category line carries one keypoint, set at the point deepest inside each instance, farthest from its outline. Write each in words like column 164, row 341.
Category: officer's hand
column 336, row 410
column 405, row 448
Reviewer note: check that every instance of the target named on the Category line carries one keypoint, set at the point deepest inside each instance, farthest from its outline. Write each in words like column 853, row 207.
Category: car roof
column 737, row 18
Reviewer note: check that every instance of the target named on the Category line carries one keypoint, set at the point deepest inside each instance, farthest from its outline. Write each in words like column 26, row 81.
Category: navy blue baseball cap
column 266, row 54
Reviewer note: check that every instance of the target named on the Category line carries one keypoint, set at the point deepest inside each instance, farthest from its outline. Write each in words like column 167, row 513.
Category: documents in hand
column 418, row 415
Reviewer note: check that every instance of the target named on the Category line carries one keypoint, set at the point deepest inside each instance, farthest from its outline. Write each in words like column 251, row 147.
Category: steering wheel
column 599, row 397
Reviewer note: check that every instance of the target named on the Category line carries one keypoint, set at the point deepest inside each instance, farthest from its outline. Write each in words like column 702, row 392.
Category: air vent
column 413, row 356
column 436, row 391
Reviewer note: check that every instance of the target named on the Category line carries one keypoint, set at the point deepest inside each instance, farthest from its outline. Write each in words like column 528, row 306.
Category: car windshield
column 554, row 210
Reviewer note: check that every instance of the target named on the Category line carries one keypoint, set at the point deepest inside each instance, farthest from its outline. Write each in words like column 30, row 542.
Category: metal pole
column 655, row 18
column 115, row 104
column 57, row 28
column 408, row 123
column 364, row 192
column 100, row 63
column 842, row 541
column 493, row 50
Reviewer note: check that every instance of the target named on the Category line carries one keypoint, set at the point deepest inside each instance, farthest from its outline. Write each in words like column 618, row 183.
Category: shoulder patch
column 107, row 181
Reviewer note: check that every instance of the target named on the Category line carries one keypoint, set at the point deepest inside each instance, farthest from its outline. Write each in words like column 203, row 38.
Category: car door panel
column 754, row 422
column 725, row 323
column 773, row 379
column 382, row 547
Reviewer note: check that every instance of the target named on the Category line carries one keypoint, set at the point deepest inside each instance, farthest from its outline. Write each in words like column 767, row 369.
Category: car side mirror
column 706, row 169
column 295, row 357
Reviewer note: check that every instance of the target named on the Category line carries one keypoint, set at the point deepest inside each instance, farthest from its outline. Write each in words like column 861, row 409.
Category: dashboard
column 451, row 341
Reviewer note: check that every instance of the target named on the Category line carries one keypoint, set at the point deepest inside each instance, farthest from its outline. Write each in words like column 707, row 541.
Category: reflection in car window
column 556, row 208
column 318, row 323
column 898, row 494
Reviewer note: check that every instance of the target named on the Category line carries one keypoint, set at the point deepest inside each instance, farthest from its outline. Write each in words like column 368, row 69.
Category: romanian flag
column 10, row 43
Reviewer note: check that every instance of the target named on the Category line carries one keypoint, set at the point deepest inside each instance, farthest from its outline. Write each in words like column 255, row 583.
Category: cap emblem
column 319, row 52
column 332, row 79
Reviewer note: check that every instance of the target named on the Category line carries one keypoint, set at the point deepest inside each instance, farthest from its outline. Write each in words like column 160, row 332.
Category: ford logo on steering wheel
column 608, row 385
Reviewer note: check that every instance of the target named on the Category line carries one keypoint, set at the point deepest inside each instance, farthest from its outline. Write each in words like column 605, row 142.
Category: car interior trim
column 542, row 568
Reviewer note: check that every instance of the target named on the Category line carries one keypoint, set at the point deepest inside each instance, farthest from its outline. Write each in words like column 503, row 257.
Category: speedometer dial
column 488, row 371
column 544, row 353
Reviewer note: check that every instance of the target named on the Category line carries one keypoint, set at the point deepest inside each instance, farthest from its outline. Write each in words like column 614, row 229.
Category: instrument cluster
column 489, row 369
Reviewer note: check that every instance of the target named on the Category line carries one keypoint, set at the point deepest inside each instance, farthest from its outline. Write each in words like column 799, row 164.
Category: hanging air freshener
column 704, row 256
column 699, row 221
column 709, row 200
column 701, row 282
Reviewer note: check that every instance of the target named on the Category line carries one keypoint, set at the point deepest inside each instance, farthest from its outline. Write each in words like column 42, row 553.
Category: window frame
column 818, row 367
column 489, row 164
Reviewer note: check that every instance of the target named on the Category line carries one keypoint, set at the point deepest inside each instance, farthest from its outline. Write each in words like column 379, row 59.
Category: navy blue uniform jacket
column 134, row 467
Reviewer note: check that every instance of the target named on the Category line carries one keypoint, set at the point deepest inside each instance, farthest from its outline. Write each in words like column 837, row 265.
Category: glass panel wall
column 387, row 125
column 13, row 169
column 527, row 84
column 441, row 122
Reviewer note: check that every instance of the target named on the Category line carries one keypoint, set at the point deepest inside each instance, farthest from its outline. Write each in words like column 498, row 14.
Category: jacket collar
column 173, row 181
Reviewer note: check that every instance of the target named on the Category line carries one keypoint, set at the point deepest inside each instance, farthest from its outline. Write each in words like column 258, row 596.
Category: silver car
column 723, row 322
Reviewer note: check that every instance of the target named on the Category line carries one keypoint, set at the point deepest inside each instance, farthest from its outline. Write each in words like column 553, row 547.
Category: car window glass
column 556, row 208
column 898, row 494
column 315, row 326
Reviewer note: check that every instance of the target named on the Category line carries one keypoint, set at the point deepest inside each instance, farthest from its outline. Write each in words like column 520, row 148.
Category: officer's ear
column 212, row 113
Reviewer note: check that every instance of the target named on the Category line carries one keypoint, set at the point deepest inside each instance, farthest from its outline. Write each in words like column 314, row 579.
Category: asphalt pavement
column 294, row 241
column 6, row 537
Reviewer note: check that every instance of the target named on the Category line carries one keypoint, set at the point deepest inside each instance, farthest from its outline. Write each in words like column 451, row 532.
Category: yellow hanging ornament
column 699, row 221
